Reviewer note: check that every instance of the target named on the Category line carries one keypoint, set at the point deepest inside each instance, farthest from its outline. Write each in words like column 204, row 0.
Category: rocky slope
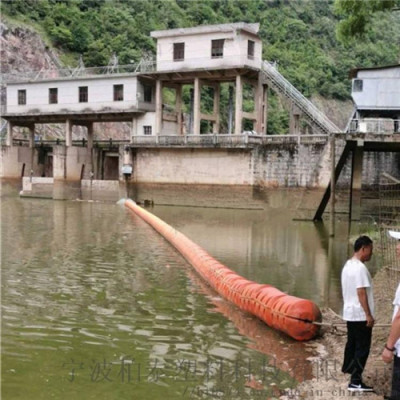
column 23, row 50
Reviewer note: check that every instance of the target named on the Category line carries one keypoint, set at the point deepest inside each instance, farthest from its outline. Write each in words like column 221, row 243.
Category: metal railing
column 212, row 140
column 68, row 73
column 286, row 88
column 298, row 139
column 225, row 140
column 389, row 219
column 143, row 66
column 203, row 140
column 77, row 143
column 374, row 125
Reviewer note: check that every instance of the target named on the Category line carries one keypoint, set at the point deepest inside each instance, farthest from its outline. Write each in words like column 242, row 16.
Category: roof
column 237, row 26
column 353, row 72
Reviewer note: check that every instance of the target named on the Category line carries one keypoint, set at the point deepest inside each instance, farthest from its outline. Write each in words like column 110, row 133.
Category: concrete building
column 376, row 97
column 198, row 57
column 121, row 96
column 213, row 46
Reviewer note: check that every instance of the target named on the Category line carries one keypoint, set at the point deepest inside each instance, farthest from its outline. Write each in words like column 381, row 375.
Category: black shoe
column 360, row 387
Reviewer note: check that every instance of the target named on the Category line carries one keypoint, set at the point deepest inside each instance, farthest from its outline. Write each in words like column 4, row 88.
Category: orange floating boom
column 288, row 314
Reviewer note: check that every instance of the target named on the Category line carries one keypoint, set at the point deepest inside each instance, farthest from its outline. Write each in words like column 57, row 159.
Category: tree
column 62, row 36
column 358, row 14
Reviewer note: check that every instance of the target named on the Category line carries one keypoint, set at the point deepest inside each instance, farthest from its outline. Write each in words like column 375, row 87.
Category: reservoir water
column 97, row 305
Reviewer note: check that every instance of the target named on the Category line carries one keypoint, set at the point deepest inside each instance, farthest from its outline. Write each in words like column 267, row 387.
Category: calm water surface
column 96, row 305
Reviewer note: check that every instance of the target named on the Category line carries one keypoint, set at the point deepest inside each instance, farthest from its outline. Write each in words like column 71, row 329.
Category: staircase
column 282, row 86
column 352, row 117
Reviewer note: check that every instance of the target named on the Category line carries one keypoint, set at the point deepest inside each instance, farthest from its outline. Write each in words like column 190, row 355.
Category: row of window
column 217, row 49
column 83, row 94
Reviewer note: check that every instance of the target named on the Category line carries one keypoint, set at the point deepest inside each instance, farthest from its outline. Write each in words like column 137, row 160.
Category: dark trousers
column 357, row 349
column 396, row 379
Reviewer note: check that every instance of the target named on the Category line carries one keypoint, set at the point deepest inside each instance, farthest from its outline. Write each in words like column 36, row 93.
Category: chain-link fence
column 389, row 219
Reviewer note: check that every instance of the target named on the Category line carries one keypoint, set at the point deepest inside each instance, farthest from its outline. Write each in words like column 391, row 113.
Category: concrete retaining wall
column 289, row 165
column 196, row 166
column 308, row 165
column 267, row 166
column 37, row 187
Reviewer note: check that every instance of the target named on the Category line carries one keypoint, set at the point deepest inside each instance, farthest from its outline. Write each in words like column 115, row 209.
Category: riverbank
column 329, row 383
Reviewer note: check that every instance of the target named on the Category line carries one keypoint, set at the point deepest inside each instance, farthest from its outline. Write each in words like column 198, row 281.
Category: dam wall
column 79, row 173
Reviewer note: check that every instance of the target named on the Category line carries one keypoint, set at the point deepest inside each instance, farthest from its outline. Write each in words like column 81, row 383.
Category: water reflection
column 283, row 353
column 86, row 286
column 269, row 247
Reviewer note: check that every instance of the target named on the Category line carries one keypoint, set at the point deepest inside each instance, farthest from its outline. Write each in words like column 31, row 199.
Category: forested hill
column 298, row 35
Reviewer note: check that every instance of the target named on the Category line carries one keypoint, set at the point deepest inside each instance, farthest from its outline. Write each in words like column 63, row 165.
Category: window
column 83, row 94
column 357, row 85
column 179, row 51
column 118, row 92
column 147, row 93
column 21, row 97
column 53, row 96
column 250, row 49
column 147, row 129
column 217, row 48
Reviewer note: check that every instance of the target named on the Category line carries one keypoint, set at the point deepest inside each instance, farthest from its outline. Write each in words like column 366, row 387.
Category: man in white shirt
column 358, row 311
column 392, row 346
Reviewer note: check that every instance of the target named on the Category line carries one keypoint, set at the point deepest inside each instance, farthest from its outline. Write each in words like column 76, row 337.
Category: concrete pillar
column 355, row 188
column 230, row 110
column 68, row 133
column 333, row 186
column 216, row 124
column 294, row 123
column 191, row 110
column 9, row 139
column 32, row 147
column 127, row 155
column 159, row 110
column 265, row 110
column 134, row 128
column 259, row 102
column 90, row 136
column 31, row 135
column 178, row 109
column 196, row 107
column 66, row 173
column 238, row 105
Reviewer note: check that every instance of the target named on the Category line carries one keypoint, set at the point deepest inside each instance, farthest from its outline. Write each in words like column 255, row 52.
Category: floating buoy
column 288, row 314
